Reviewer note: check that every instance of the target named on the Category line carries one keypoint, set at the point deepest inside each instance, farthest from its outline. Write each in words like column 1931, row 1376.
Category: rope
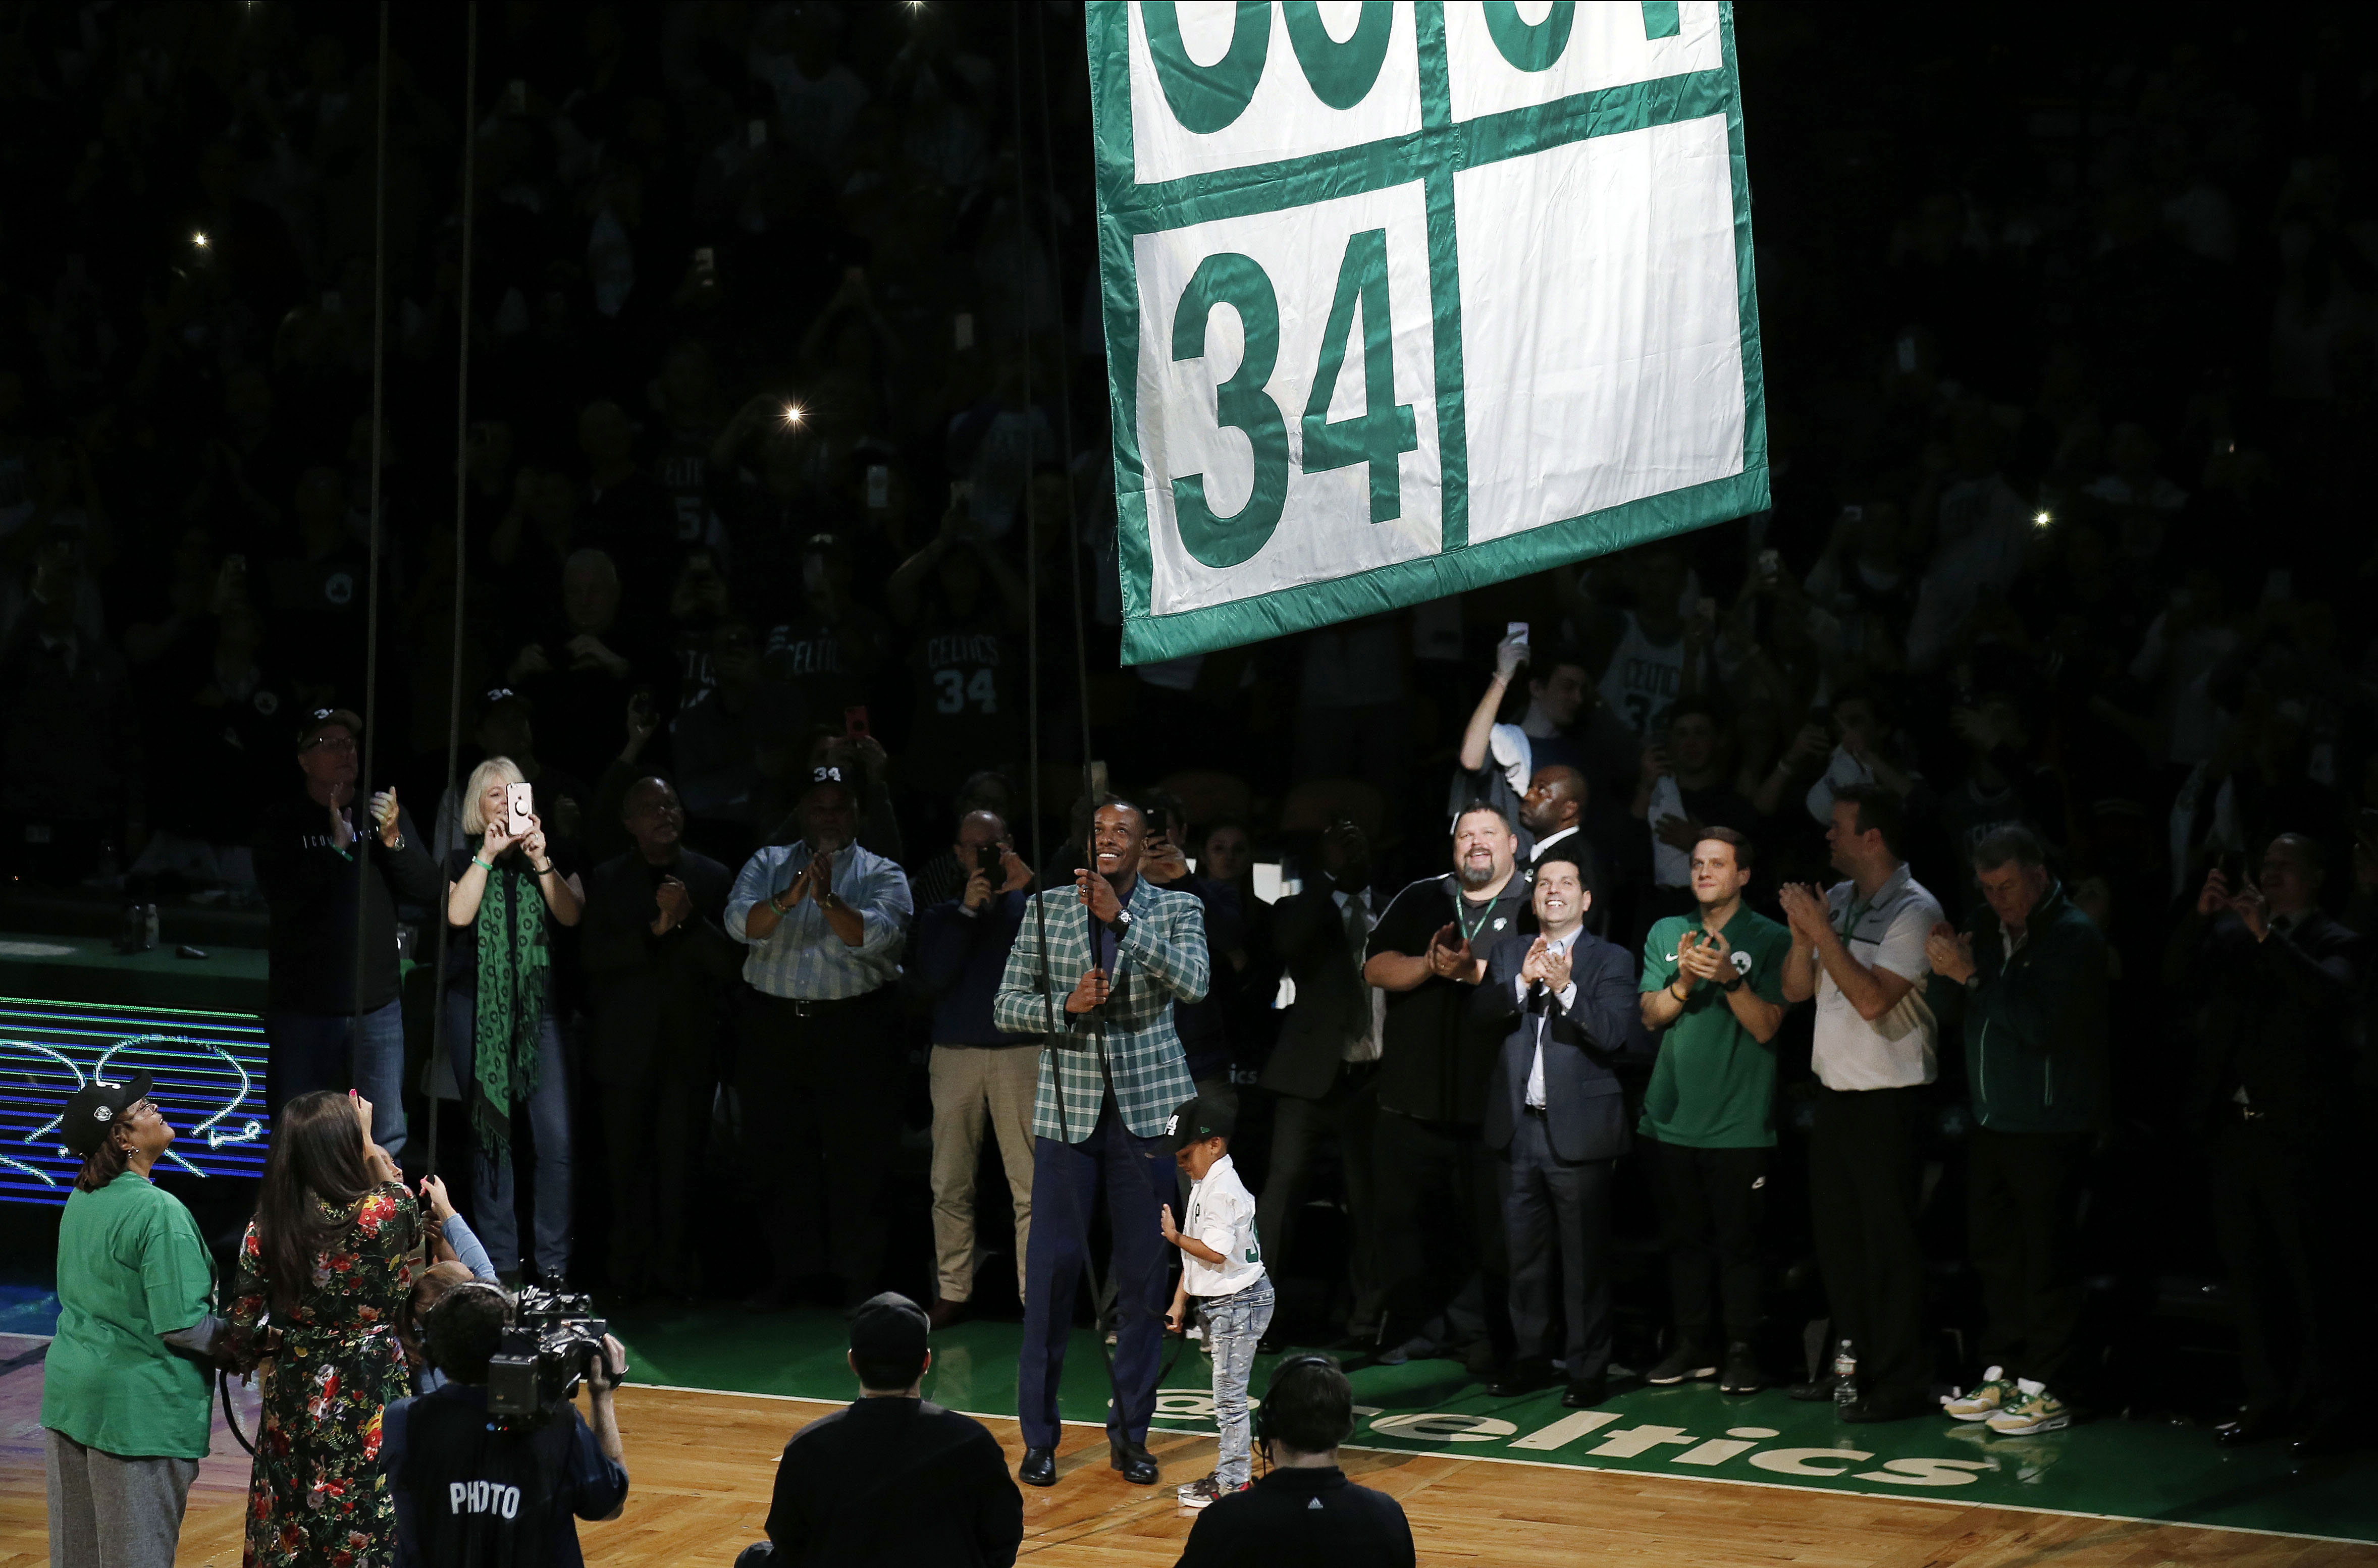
column 461, row 498
column 364, row 833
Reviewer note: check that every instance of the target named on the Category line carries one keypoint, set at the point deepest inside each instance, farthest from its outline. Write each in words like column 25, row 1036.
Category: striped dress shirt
column 802, row 959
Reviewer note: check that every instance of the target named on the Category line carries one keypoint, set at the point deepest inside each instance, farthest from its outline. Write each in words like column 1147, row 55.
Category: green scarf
column 513, row 963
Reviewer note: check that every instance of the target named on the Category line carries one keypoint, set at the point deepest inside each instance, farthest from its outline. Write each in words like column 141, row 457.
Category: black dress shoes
column 1888, row 1407
column 1524, row 1375
column 1587, row 1394
column 1040, row 1467
column 1137, row 1465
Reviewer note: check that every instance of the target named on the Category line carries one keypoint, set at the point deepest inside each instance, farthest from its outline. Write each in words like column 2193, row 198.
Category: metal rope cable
column 462, row 497
column 364, row 827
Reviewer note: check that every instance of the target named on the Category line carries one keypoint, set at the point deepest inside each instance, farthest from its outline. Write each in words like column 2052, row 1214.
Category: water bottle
column 1844, row 1376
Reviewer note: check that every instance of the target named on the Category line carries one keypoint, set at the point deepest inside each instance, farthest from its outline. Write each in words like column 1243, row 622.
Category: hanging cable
column 461, row 498
column 364, row 826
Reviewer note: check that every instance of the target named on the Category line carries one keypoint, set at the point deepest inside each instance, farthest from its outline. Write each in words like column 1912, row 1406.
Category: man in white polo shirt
column 1859, row 951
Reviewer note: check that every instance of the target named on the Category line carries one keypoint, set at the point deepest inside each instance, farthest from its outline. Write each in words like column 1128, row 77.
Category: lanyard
column 1461, row 917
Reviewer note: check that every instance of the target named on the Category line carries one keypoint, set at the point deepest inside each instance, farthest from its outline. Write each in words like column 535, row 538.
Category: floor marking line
column 1640, row 1475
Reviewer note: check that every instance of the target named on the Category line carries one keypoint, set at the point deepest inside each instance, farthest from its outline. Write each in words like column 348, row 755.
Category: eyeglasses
column 329, row 743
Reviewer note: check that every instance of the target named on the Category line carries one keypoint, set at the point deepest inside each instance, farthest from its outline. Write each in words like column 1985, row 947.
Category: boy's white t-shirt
column 1221, row 1214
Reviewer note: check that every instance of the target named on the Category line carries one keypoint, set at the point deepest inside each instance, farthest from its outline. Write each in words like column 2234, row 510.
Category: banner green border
column 1433, row 155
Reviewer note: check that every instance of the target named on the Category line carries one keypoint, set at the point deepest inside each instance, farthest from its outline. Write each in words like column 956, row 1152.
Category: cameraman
column 469, row 1491
column 1305, row 1513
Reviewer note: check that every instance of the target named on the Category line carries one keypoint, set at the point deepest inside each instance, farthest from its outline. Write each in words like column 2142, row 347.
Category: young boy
column 1221, row 1264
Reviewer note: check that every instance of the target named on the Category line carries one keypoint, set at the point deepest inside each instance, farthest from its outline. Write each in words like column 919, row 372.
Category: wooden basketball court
column 705, row 1463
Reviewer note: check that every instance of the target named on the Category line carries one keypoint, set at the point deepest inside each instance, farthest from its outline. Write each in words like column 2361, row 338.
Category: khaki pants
column 969, row 1081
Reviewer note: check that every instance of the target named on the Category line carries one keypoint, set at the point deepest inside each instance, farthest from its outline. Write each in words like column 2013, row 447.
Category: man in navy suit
column 1563, row 1000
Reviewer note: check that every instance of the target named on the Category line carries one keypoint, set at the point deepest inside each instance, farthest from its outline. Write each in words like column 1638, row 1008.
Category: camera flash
column 2040, row 520
column 792, row 414
column 200, row 239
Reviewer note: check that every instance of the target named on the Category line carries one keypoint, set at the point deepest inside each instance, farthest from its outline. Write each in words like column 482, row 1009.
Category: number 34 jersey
column 968, row 679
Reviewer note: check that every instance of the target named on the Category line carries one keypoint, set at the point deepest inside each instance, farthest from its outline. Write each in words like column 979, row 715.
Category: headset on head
column 1262, row 1425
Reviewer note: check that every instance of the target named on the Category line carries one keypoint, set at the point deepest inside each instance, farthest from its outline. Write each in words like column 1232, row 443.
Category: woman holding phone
column 504, row 895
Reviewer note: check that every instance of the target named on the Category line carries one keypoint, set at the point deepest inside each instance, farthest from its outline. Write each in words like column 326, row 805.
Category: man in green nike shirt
column 1714, row 981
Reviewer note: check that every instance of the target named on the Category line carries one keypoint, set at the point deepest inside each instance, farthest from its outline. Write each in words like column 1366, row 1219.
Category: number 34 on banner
column 1403, row 299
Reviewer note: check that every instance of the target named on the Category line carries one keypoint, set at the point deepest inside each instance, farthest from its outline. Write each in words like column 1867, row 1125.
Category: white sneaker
column 1996, row 1392
column 2031, row 1412
column 1203, row 1492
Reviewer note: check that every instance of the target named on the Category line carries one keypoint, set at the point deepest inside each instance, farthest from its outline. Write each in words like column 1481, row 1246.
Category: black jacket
column 1585, row 1103
column 1332, row 1005
column 1435, row 1067
column 655, row 998
column 895, row 1481
column 2275, row 1018
column 1302, row 1519
column 311, row 887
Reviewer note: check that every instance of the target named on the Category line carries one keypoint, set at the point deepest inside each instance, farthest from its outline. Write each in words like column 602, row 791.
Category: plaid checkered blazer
column 1161, row 961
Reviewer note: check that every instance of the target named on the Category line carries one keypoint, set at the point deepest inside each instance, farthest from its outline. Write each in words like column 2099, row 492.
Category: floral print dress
column 318, row 1499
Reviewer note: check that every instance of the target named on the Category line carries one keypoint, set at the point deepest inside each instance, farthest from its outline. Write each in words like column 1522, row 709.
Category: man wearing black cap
column 823, row 920
column 313, row 864
column 124, row 1396
column 893, row 1478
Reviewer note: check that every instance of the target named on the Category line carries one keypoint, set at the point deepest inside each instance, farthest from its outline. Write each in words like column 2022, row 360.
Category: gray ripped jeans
column 1234, row 1324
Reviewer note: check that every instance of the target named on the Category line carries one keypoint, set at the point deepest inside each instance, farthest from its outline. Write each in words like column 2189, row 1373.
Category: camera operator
column 1305, row 1513
column 978, row 1070
column 468, row 1490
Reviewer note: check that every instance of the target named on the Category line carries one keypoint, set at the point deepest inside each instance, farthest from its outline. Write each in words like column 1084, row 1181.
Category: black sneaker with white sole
column 1686, row 1363
column 1742, row 1374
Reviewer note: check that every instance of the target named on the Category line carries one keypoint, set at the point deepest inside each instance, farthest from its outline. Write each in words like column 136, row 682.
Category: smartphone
column 962, row 330
column 1516, row 631
column 2231, row 864
column 854, row 722
column 705, row 263
column 878, row 487
column 1160, row 823
column 519, row 810
column 986, row 860
column 640, row 699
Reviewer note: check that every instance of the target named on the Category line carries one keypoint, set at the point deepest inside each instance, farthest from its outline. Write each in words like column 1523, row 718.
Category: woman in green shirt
column 124, row 1392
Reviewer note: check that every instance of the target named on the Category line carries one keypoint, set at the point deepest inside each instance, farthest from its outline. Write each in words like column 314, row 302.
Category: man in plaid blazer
column 1119, row 950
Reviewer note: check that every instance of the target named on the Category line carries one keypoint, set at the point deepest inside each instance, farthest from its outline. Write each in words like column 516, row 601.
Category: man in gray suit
column 1326, row 1067
column 1563, row 1000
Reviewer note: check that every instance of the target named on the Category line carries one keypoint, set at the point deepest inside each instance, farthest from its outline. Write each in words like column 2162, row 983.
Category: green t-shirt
column 131, row 1268
column 1713, row 1086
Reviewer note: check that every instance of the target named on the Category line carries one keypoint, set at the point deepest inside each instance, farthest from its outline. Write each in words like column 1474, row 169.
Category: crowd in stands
column 786, row 434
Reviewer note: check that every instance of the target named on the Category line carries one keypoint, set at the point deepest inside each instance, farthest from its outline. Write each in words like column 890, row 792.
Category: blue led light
column 208, row 1068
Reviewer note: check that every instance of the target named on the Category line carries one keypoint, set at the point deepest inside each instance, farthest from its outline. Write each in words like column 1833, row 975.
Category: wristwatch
column 827, row 899
column 1730, row 986
column 1121, row 925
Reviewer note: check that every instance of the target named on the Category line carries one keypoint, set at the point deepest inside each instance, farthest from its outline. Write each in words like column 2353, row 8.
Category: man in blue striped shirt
column 820, row 1056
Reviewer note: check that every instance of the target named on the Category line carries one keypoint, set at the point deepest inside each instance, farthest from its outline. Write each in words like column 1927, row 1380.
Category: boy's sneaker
column 1203, row 1492
column 1996, row 1392
column 1686, row 1363
column 2028, row 1412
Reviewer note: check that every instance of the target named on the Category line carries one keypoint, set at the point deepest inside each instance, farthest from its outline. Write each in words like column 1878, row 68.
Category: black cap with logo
column 92, row 1111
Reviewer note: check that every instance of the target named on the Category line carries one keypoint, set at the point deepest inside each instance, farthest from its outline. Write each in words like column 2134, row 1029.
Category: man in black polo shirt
column 893, row 1478
column 1435, row 1178
column 1305, row 1513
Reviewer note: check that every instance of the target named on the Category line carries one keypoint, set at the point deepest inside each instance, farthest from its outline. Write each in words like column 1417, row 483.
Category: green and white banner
column 1405, row 298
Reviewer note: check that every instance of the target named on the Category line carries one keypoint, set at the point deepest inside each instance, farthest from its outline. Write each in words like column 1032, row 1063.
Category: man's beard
column 1476, row 875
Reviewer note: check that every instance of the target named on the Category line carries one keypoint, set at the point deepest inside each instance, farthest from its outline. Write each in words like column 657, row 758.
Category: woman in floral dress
column 327, row 1261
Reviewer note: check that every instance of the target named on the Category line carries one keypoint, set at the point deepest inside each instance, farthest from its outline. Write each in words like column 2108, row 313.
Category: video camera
column 553, row 1342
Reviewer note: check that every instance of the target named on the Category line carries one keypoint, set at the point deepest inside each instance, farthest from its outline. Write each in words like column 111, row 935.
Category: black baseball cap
column 499, row 694
column 821, row 777
column 1199, row 1119
column 92, row 1111
column 888, row 1327
column 322, row 718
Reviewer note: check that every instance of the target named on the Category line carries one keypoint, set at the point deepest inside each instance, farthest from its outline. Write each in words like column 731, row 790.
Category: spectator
column 1681, row 791
column 978, row 1070
column 1324, row 1070
column 1858, row 949
column 454, row 1257
column 1656, row 654
column 579, row 673
column 69, row 740
column 126, row 1401
column 2270, row 982
column 324, row 1270
column 943, row 877
column 1204, row 1025
column 1557, row 1004
column 1712, row 984
column 1443, row 1282
column 1501, row 758
column 1305, row 1513
column 2033, row 977
column 323, row 1033
column 505, row 894
column 964, row 606
column 658, row 965
column 893, row 1478
column 1112, row 1075
column 727, row 735
column 439, row 1450
column 824, row 920
column 507, row 728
